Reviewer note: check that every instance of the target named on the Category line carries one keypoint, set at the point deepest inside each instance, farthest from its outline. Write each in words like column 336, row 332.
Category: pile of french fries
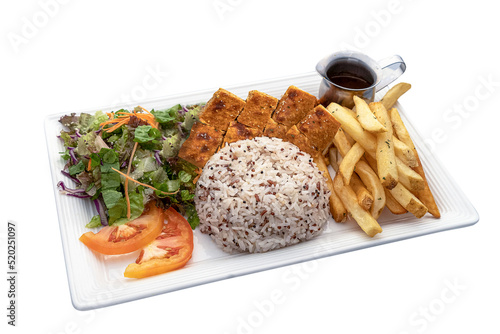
column 376, row 164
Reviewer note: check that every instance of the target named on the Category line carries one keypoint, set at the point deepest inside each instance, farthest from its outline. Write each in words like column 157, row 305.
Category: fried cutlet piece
column 258, row 109
column 237, row 131
column 297, row 138
column 221, row 109
column 293, row 106
column 202, row 143
column 320, row 127
column 274, row 129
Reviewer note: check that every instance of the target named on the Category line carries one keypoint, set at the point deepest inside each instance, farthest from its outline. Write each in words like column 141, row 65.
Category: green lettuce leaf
column 192, row 215
column 99, row 117
column 117, row 206
column 167, row 116
column 168, row 186
column 110, row 180
column 191, row 117
column 186, row 195
column 146, row 133
column 68, row 141
column 86, row 144
column 95, row 160
column 184, row 176
column 65, row 155
column 84, row 123
column 142, row 166
column 94, row 222
column 171, row 146
column 76, row 169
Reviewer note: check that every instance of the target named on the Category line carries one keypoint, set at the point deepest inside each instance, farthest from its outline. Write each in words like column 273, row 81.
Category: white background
column 93, row 53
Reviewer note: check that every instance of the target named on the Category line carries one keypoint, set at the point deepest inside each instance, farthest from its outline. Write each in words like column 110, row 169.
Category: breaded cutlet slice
column 258, row 109
column 293, row 106
column 221, row 109
column 274, row 129
column 201, row 144
column 297, row 138
column 237, row 131
column 320, row 127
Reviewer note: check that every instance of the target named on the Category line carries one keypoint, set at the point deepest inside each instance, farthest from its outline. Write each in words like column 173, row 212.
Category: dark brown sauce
column 350, row 81
column 350, row 74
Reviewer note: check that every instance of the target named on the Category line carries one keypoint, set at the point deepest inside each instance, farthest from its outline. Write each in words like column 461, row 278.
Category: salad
column 124, row 159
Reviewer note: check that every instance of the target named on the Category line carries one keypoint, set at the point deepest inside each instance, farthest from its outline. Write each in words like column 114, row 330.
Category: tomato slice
column 129, row 237
column 171, row 250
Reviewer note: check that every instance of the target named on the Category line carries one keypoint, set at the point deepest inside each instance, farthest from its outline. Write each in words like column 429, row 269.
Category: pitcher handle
column 392, row 68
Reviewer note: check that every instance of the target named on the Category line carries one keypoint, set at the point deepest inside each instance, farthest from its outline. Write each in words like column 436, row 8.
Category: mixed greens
column 98, row 156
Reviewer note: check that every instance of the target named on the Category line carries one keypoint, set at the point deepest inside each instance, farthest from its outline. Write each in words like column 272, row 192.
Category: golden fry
column 352, row 127
column 394, row 94
column 393, row 205
column 365, row 198
column 409, row 178
column 349, row 162
column 367, row 223
column 425, row 195
column 367, row 174
column 366, row 118
column 337, row 209
column 409, row 201
column 386, row 158
column 342, row 143
column 389, row 171
column 333, row 158
column 372, row 183
column 404, row 153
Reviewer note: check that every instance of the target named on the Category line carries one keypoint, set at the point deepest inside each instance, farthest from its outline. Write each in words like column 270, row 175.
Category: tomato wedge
column 171, row 250
column 129, row 237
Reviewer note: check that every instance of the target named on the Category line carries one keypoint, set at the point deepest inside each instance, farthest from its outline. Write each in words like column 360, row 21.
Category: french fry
column 326, row 158
column 425, row 195
column 400, row 129
column 393, row 205
column 390, row 201
column 394, row 94
column 404, row 153
column 389, row 171
column 333, row 158
column 372, row 162
column 386, row 158
column 409, row 201
column 349, row 138
column 365, row 198
column 337, row 209
column 351, row 126
column 349, row 162
column 367, row 174
column 342, row 143
column 367, row 223
column 352, row 112
column 409, row 178
column 325, row 152
column 366, row 118
column 372, row 183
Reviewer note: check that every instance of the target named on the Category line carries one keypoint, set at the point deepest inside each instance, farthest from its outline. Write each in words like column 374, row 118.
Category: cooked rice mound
column 261, row 194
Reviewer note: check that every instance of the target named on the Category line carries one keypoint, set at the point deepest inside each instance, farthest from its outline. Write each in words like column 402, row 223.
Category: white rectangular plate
column 97, row 280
